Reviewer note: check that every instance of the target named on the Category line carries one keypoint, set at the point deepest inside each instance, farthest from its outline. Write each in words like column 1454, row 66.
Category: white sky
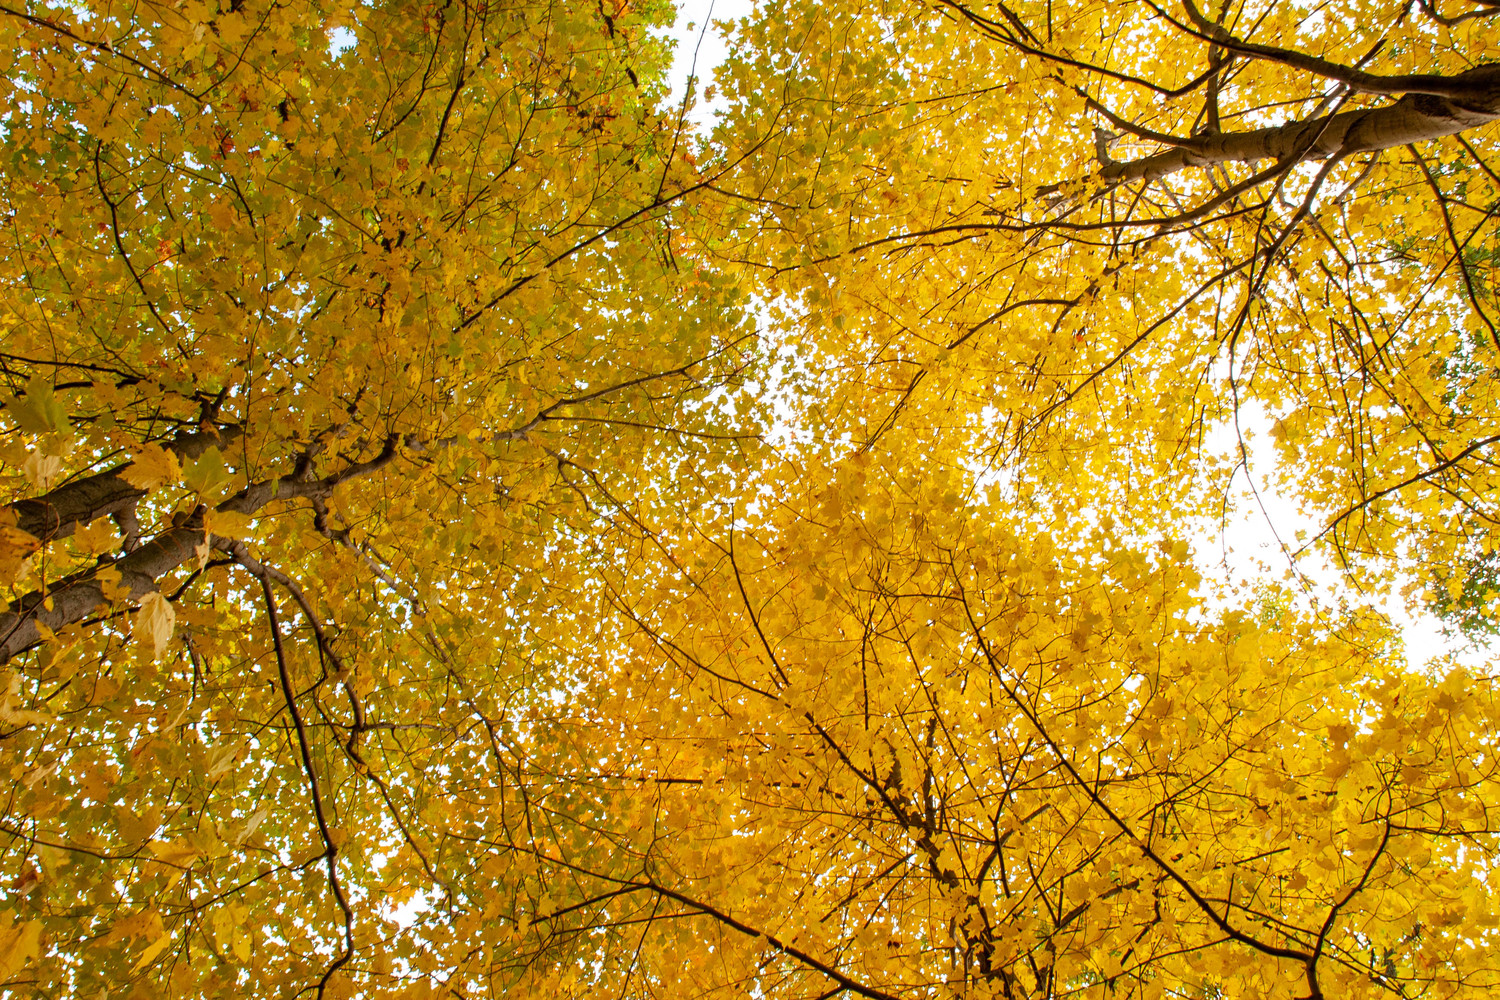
column 700, row 46
column 1264, row 527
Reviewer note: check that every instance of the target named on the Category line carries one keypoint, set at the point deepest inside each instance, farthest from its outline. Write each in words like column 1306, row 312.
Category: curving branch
column 136, row 574
column 1417, row 117
column 56, row 514
column 320, row 811
column 1461, row 87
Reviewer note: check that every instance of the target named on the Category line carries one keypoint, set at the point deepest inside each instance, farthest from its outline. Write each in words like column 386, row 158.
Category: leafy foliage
column 467, row 533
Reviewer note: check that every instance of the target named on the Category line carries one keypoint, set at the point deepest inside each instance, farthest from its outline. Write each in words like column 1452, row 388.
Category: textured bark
column 1417, row 117
column 56, row 514
column 75, row 598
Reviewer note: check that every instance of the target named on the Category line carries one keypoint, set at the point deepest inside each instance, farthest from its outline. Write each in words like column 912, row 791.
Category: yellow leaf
column 108, row 578
column 174, row 852
column 206, row 472
column 42, row 471
column 153, row 466
column 38, row 412
column 149, row 955
column 251, row 822
column 153, row 622
column 137, row 828
column 16, row 546
column 19, row 944
column 221, row 760
column 241, row 943
column 231, row 930
column 97, row 537
column 144, row 924
column 229, row 524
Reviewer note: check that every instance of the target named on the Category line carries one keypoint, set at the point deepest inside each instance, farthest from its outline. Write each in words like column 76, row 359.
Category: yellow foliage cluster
column 467, row 532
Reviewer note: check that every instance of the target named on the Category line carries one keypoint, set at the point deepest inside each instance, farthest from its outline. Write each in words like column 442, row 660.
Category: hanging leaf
column 154, row 621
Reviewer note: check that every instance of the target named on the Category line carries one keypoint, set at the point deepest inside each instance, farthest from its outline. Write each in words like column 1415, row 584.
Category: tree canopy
column 469, row 530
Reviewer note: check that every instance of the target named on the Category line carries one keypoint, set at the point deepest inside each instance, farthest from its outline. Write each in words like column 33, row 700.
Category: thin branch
column 330, row 848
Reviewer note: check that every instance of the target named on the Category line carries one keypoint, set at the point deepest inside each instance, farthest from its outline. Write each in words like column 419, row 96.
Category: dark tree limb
column 1417, row 117
column 76, row 597
column 106, row 494
column 1462, row 87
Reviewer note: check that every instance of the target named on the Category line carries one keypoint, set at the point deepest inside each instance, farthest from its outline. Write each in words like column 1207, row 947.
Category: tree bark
column 76, row 597
column 57, row 514
column 1416, row 117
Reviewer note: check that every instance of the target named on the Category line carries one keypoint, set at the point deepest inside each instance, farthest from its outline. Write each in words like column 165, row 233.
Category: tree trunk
column 104, row 494
column 1416, row 117
column 75, row 598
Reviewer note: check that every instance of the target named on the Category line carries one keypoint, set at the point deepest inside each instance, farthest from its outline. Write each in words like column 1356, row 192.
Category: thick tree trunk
column 75, row 598
column 101, row 495
column 1416, row 117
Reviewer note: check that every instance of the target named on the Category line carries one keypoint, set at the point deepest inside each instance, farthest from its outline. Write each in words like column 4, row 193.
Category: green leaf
column 38, row 410
column 206, row 473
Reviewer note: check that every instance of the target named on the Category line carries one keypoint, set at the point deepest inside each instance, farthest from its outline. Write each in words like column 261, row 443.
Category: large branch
column 1460, row 87
column 74, row 598
column 1414, row 118
column 56, row 514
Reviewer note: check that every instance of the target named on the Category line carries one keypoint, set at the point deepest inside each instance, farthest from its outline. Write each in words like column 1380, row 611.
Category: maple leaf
column 154, row 621
column 151, row 467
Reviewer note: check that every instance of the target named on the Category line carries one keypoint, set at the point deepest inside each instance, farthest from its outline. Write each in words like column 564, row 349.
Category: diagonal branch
column 151, row 72
column 133, row 576
column 1091, row 790
column 56, row 514
column 1414, row 118
column 1475, row 85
